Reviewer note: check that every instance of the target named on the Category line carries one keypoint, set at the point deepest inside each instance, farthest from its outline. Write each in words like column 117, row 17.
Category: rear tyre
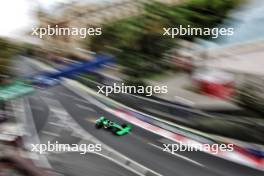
column 99, row 125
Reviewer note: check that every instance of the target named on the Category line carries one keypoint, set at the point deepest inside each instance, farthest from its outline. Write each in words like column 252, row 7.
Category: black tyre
column 100, row 125
column 114, row 130
column 124, row 125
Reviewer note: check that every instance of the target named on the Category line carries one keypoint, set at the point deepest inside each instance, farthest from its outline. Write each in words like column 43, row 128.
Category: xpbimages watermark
column 122, row 88
column 57, row 147
column 195, row 31
column 65, row 31
column 212, row 148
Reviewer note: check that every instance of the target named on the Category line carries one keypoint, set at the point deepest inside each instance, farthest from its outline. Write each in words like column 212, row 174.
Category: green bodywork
column 116, row 128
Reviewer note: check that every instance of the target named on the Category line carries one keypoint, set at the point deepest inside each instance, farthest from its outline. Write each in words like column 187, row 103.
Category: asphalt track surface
column 74, row 164
column 140, row 145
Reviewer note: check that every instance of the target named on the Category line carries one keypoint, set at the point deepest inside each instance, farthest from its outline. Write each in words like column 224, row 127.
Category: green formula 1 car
column 117, row 129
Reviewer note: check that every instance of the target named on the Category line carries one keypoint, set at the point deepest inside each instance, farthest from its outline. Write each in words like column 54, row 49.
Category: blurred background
column 215, row 86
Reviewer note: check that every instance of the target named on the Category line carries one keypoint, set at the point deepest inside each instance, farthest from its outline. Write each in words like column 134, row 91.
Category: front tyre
column 114, row 131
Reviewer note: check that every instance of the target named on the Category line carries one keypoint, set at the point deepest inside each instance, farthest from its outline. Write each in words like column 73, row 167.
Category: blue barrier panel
column 82, row 67
column 51, row 78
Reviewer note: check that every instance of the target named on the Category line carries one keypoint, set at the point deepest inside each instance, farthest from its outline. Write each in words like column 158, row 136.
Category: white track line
column 56, row 124
column 85, row 107
column 50, row 133
column 30, row 126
